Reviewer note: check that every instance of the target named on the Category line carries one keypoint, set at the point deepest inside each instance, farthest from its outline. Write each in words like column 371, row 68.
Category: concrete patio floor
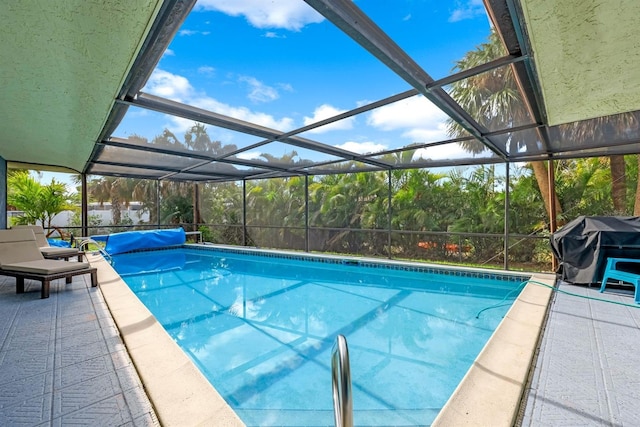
column 587, row 371
column 62, row 361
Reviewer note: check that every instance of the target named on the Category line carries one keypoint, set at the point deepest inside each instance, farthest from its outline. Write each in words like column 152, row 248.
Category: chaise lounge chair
column 623, row 270
column 21, row 258
column 50, row 252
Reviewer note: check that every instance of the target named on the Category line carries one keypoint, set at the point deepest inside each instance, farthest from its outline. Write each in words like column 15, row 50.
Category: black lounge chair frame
column 46, row 279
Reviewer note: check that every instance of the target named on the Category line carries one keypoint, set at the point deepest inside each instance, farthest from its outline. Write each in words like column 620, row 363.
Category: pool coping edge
column 179, row 392
column 491, row 391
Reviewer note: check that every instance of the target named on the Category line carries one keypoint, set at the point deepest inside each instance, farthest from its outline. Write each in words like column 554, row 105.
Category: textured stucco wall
column 587, row 54
column 63, row 64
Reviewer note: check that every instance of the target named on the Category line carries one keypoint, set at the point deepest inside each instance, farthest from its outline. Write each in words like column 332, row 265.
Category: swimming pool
column 264, row 340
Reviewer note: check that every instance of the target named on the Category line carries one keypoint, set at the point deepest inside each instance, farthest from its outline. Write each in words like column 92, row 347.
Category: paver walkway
column 62, row 361
column 588, row 369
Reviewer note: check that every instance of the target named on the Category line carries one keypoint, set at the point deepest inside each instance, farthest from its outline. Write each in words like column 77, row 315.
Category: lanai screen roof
column 92, row 86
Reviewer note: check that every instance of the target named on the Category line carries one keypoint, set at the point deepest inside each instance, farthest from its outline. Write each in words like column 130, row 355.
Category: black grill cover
column 583, row 245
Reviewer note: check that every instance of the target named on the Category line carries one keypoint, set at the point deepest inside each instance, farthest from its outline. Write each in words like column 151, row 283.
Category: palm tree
column 277, row 202
column 197, row 139
column 350, row 201
column 99, row 190
column 176, row 203
column 494, row 100
column 145, row 191
column 39, row 203
column 584, row 186
column 599, row 129
column 117, row 190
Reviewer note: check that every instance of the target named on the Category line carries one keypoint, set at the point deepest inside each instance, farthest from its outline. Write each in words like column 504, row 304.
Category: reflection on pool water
column 261, row 329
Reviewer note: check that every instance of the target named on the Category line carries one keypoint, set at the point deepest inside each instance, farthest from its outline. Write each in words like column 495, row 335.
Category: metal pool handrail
column 84, row 241
column 341, row 383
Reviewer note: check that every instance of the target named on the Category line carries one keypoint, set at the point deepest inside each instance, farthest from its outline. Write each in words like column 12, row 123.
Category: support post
column 553, row 221
column 158, row 203
column 84, row 205
column 506, row 215
column 3, row 193
column 389, row 214
column 306, row 213
column 244, row 212
column 196, row 207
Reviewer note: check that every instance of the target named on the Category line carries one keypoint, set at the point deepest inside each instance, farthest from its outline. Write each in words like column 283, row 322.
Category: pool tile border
column 357, row 262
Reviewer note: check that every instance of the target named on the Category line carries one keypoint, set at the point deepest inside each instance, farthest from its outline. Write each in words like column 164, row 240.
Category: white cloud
column 274, row 35
column 168, row 85
column 468, row 9
column 285, row 86
column 169, row 52
column 416, row 117
column 193, row 32
column 243, row 113
column 442, row 152
column 324, row 112
column 259, row 92
column 178, row 125
column 249, row 155
column 362, row 147
column 207, row 70
column 138, row 112
column 437, row 133
column 178, row 88
column 288, row 14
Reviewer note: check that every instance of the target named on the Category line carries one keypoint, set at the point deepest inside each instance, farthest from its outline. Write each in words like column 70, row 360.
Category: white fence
column 103, row 215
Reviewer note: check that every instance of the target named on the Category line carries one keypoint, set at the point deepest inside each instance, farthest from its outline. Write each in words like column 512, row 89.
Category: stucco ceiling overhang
column 63, row 65
column 587, row 56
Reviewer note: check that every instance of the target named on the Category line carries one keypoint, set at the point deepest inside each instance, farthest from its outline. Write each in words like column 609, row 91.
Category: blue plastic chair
column 612, row 272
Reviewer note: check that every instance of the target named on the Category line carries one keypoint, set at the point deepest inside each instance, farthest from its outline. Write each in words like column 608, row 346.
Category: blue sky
column 282, row 65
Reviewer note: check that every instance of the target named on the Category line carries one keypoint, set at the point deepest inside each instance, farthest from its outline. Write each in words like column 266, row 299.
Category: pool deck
column 587, row 372
column 63, row 361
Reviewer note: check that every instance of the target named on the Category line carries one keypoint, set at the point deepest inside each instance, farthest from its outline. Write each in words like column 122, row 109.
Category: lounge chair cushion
column 45, row 266
column 49, row 251
column 43, row 243
column 18, row 245
column 38, row 232
column 18, row 234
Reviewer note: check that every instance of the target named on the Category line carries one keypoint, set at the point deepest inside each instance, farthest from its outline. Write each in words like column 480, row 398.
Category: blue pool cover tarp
column 59, row 243
column 146, row 262
column 128, row 241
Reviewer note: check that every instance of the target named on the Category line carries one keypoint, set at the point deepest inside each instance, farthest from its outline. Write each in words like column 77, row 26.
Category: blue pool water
column 261, row 330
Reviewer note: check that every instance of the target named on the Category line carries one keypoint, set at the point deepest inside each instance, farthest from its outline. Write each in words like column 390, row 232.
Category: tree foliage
column 453, row 210
column 39, row 203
